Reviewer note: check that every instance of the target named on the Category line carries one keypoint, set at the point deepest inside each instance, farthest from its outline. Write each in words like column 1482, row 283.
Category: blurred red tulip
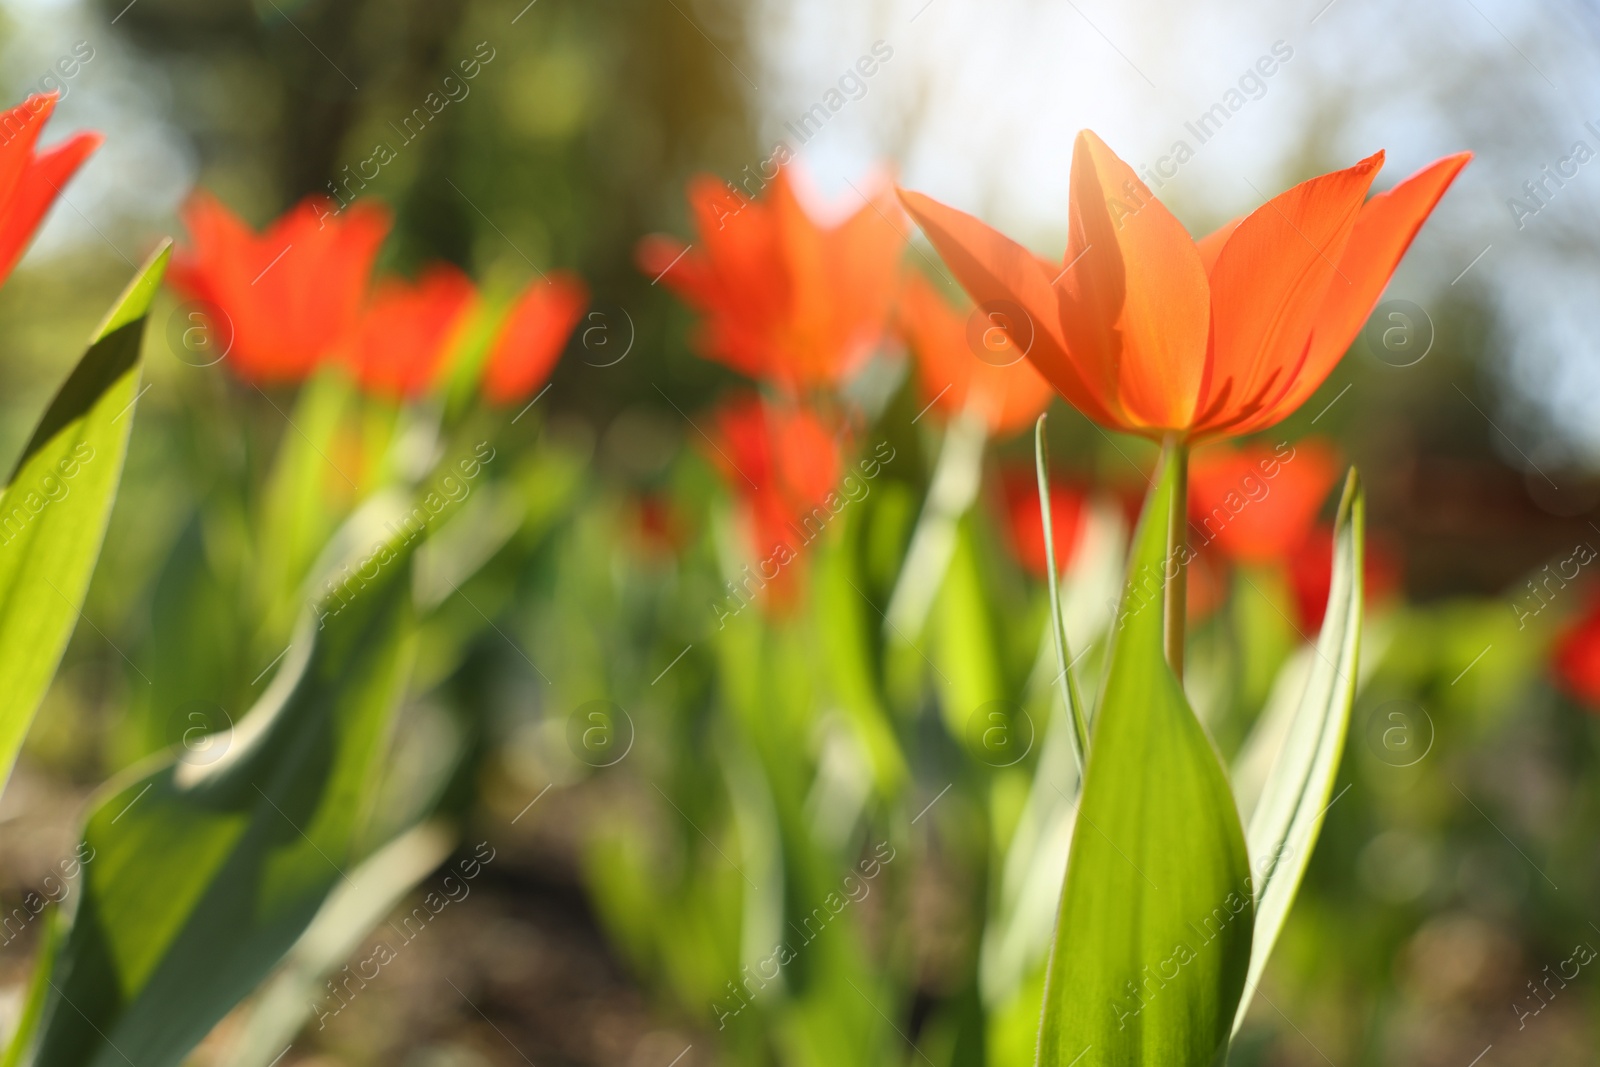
column 293, row 294
column 1576, row 658
column 785, row 298
column 30, row 181
column 1311, row 572
column 1069, row 512
column 1208, row 586
column 1258, row 504
column 783, row 463
column 531, row 338
column 407, row 330
column 1146, row 330
column 954, row 374
column 658, row 526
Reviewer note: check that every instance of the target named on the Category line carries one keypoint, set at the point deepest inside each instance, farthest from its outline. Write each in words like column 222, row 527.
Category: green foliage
column 204, row 875
column 54, row 510
column 1153, row 939
column 1288, row 817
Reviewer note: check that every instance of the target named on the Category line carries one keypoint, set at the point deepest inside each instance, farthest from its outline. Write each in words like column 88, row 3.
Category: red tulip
column 1576, row 659
column 1146, row 330
column 1069, row 513
column 407, row 331
column 30, row 181
column 657, row 525
column 1258, row 504
column 531, row 338
column 1208, row 586
column 785, row 298
column 292, row 295
column 1004, row 385
column 783, row 463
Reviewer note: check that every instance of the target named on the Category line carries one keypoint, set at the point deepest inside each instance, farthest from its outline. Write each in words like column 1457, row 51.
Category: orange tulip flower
column 1576, row 658
column 783, row 464
column 961, row 364
column 786, row 299
column 1258, row 504
column 30, row 181
column 1577, row 662
column 531, row 338
column 1148, row 331
column 292, row 295
column 407, row 330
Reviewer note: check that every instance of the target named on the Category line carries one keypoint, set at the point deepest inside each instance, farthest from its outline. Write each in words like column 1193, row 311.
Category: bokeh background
column 1442, row 886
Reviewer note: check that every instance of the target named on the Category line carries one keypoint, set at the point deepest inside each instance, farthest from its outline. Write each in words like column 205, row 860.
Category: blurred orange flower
column 1069, row 513
column 293, row 294
column 1148, row 331
column 1258, row 504
column 782, row 462
column 530, row 340
column 952, row 372
column 785, row 298
column 660, row 530
column 1576, row 659
column 30, row 181
column 407, row 329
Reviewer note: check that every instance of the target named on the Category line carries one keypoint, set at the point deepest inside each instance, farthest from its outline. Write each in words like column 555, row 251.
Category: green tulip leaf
column 54, row 509
column 1153, row 936
column 205, row 870
column 1298, row 790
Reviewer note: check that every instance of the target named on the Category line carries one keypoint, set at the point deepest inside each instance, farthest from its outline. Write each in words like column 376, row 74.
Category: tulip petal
column 782, row 297
column 36, row 190
column 810, row 296
column 1292, row 487
column 1011, row 394
column 992, row 268
column 1383, row 232
column 863, row 256
column 19, row 132
column 732, row 274
column 1135, row 304
column 292, row 296
column 1268, row 285
column 1211, row 244
column 408, row 331
column 532, row 336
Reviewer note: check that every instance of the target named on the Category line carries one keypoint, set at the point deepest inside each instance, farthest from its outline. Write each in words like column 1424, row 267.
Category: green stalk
column 1075, row 709
column 1176, row 450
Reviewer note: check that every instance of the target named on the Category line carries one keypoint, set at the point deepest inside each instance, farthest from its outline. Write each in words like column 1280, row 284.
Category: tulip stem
column 1176, row 450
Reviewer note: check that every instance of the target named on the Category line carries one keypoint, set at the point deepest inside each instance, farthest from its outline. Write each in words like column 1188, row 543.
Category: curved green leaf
column 1288, row 817
column 1058, row 624
column 55, row 506
column 203, row 876
column 1153, row 939
column 353, row 910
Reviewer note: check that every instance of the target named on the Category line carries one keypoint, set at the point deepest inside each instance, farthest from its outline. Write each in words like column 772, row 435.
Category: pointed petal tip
column 1371, row 164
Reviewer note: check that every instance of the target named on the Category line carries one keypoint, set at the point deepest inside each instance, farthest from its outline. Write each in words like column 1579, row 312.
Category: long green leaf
column 1153, row 939
column 54, row 509
column 204, row 875
column 350, row 914
column 1288, row 817
column 1058, row 624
